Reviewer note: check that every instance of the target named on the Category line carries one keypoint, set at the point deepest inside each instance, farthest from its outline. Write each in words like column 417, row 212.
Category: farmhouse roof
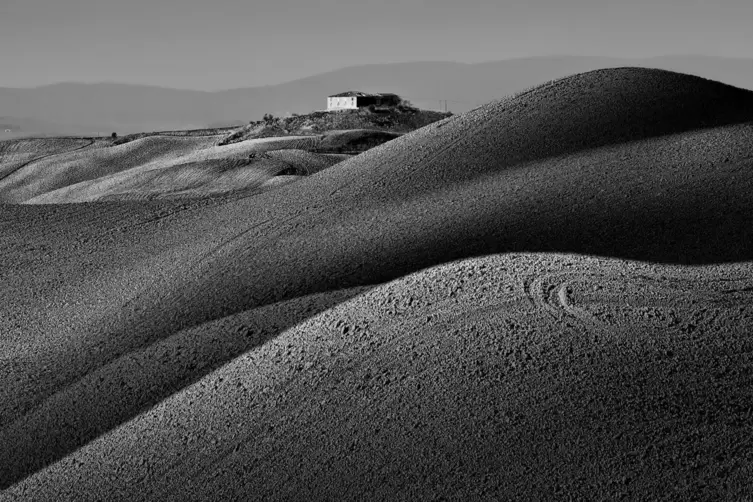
column 359, row 94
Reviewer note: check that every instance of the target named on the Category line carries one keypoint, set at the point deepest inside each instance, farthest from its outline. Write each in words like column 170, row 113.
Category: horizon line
column 386, row 63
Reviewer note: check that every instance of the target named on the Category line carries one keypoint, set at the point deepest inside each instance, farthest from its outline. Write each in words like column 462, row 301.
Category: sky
column 221, row 44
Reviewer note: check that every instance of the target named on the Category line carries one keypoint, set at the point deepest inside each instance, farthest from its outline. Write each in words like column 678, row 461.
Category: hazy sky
column 216, row 44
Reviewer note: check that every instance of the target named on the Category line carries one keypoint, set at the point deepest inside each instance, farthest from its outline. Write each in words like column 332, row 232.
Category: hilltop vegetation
column 399, row 119
column 345, row 131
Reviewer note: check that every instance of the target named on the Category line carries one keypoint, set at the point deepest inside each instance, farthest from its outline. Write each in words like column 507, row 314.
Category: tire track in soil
column 552, row 293
column 43, row 157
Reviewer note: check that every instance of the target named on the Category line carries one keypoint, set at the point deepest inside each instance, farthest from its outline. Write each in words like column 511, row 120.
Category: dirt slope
column 65, row 169
column 92, row 174
column 17, row 153
column 241, row 348
column 169, row 166
column 510, row 376
column 230, row 172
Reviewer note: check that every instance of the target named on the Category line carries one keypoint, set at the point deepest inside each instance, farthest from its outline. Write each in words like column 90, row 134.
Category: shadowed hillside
column 255, row 347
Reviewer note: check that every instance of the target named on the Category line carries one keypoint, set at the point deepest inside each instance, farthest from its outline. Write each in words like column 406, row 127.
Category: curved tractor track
column 43, row 157
column 599, row 298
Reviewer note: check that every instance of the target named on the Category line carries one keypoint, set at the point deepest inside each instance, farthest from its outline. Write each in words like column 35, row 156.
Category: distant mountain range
column 75, row 108
column 13, row 127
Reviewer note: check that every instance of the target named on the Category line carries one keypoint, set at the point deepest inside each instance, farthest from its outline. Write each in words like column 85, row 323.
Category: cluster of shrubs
column 395, row 119
column 401, row 118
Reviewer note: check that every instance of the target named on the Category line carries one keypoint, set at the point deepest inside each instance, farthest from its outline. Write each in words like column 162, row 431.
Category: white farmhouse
column 352, row 100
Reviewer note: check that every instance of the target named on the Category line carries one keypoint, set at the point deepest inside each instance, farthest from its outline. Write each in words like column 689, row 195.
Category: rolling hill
column 548, row 296
column 174, row 164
